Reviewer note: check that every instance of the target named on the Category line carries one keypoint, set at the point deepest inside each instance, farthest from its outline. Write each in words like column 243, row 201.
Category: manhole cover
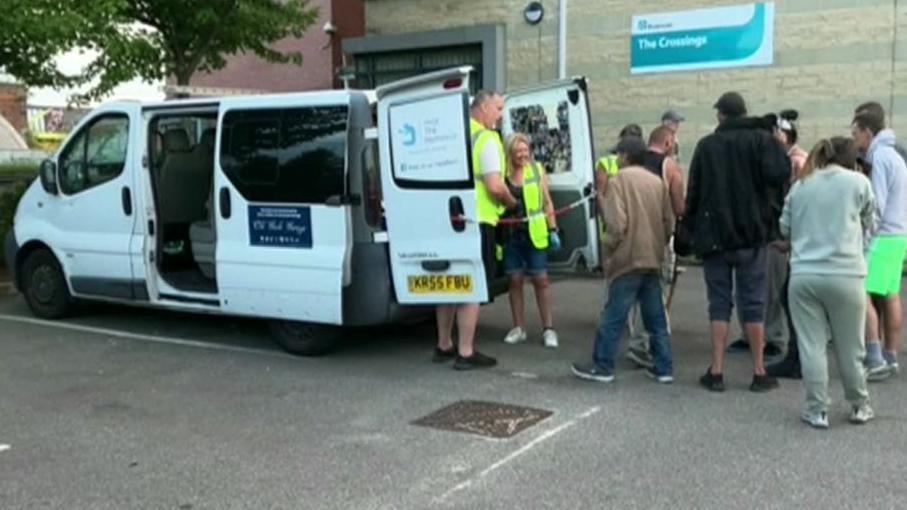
column 488, row 419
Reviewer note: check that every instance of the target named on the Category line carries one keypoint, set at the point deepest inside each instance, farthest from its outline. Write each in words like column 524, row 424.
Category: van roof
column 342, row 95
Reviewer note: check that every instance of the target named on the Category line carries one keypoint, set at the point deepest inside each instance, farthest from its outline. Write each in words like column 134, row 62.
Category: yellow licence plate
column 440, row 284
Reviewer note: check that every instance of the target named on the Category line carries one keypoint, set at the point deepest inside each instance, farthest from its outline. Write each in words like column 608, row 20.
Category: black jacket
column 738, row 179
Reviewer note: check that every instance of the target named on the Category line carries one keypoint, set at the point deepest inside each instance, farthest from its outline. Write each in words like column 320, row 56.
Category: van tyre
column 44, row 286
column 305, row 338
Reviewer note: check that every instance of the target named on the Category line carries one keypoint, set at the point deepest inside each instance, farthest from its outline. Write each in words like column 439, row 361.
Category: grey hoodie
column 889, row 184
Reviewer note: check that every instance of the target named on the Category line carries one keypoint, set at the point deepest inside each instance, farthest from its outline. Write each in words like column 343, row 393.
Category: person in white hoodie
column 888, row 244
column 824, row 216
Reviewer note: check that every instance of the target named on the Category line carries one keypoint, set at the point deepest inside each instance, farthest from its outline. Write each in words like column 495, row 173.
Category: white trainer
column 861, row 414
column 549, row 338
column 815, row 419
column 515, row 336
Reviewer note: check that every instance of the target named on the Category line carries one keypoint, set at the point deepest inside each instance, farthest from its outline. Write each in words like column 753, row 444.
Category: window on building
column 295, row 155
column 376, row 69
column 97, row 155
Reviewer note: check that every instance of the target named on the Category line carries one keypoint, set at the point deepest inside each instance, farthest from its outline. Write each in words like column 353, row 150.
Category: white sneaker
column 816, row 420
column 878, row 372
column 549, row 338
column 515, row 336
column 861, row 414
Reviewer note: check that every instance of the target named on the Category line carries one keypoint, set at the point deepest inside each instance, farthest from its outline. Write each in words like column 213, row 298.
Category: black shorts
column 488, row 256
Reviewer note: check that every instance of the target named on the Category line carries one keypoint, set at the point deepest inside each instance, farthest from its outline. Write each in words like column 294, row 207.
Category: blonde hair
column 512, row 140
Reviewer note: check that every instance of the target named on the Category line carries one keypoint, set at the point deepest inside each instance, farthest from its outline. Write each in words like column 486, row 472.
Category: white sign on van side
column 429, row 140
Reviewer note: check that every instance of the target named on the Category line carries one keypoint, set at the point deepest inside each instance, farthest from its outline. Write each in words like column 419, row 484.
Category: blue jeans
column 622, row 294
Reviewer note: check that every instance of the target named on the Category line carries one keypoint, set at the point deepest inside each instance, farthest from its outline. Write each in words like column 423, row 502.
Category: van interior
column 182, row 173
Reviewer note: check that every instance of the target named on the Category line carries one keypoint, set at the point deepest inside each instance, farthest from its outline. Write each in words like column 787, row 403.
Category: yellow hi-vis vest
column 489, row 209
column 534, row 201
column 608, row 164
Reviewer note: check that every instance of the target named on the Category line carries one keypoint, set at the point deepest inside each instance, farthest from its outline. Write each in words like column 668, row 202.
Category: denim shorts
column 745, row 269
column 521, row 257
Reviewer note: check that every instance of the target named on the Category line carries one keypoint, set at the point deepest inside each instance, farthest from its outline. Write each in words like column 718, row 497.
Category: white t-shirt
column 490, row 159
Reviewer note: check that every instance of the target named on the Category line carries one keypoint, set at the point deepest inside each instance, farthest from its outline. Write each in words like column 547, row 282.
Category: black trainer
column 771, row 351
column 477, row 360
column 712, row 382
column 741, row 345
column 763, row 383
column 785, row 369
column 442, row 356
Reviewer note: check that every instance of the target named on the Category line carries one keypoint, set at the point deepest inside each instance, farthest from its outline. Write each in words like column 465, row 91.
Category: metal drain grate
column 488, row 419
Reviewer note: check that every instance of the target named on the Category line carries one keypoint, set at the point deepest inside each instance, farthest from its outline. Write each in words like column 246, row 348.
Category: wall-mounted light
column 534, row 13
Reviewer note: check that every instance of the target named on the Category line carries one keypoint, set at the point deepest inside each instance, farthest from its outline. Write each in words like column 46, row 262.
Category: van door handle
column 588, row 192
column 127, row 201
column 435, row 265
column 455, row 209
column 225, row 206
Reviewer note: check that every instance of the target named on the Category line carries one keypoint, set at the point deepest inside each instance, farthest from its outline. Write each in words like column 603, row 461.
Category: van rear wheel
column 305, row 338
column 44, row 286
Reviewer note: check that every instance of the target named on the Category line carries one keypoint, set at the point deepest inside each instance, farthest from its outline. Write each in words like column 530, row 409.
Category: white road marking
column 525, row 448
column 525, row 375
column 137, row 336
column 4, row 447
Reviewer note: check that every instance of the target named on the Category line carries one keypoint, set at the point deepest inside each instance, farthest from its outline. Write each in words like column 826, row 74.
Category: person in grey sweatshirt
column 888, row 244
column 824, row 217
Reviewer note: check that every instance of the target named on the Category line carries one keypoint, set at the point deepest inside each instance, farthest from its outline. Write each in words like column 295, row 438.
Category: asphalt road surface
column 122, row 408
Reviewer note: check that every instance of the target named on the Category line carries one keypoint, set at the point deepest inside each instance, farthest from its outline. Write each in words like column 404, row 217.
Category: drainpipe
column 562, row 39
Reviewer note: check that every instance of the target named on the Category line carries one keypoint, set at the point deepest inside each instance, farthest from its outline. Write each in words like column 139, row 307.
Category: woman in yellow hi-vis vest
column 527, row 243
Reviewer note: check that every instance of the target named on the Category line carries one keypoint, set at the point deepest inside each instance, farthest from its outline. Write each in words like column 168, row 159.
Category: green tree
column 36, row 31
column 178, row 38
column 148, row 39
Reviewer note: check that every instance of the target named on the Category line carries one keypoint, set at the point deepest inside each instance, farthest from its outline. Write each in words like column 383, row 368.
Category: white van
column 314, row 210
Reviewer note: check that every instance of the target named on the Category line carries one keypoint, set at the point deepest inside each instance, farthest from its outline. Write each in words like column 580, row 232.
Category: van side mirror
column 49, row 176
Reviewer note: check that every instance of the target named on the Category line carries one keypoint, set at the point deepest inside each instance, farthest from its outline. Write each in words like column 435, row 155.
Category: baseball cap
column 731, row 104
column 672, row 115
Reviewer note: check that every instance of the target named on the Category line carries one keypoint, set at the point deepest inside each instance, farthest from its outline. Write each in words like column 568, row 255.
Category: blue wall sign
column 287, row 227
column 722, row 37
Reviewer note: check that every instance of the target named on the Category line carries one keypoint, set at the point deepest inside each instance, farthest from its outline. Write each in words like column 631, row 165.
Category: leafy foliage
column 19, row 168
column 9, row 200
column 36, row 31
column 149, row 39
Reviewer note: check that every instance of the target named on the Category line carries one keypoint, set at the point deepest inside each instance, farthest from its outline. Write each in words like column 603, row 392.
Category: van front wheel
column 305, row 338
column 44, row 285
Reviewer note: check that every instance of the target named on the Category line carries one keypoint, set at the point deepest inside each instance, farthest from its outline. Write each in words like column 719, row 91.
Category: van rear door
column 427, row 181
column 556, row 118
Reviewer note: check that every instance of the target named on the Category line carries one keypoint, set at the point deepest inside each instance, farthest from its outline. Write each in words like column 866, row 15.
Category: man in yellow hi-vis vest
column 492, row 197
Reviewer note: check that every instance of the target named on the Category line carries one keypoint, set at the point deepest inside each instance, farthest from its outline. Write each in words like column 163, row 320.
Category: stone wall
column 830, row 55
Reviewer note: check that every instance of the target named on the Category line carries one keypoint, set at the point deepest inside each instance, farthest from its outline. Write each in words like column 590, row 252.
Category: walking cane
column 674, row 275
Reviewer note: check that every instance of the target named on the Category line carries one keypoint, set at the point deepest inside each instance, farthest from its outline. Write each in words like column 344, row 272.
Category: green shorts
column 886, row 261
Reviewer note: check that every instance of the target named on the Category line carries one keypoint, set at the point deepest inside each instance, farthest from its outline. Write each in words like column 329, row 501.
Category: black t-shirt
column 519, row 231
column 654, row 163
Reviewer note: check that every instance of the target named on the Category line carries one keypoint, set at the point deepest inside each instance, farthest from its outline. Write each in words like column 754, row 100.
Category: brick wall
column 12, row 105
column 320, row 54
column 830, row 55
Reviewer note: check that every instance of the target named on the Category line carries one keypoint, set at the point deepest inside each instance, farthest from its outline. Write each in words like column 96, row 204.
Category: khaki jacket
column 639, row 221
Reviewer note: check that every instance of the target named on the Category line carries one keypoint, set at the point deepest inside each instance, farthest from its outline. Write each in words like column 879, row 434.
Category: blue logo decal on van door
column 288, row 227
